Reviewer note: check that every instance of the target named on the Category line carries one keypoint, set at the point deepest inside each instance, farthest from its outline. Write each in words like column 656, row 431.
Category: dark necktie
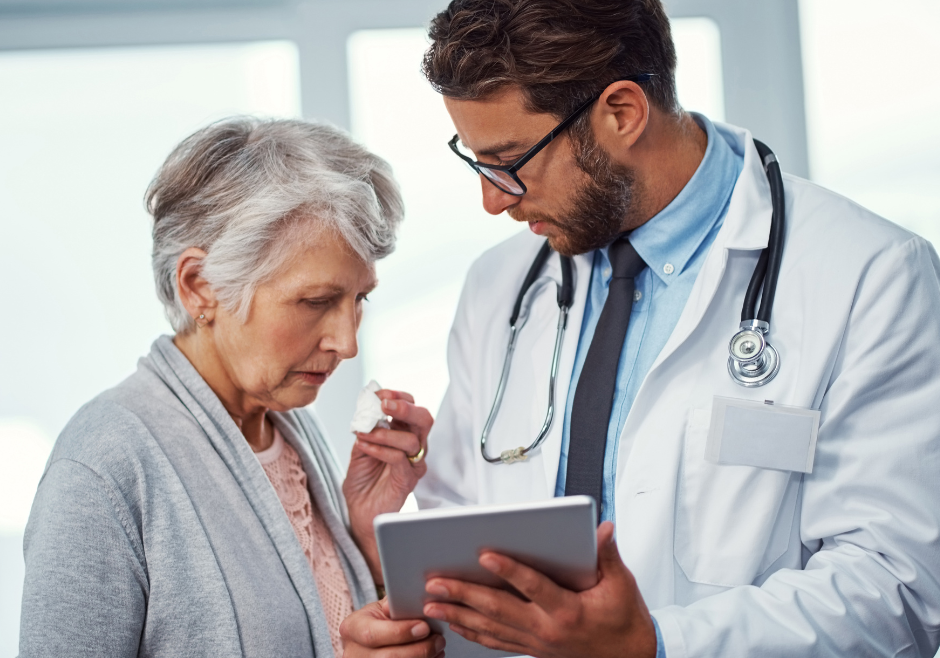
column 594, row 395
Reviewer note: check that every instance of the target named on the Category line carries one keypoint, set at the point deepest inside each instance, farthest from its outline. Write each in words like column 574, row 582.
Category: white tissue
column 369, row 414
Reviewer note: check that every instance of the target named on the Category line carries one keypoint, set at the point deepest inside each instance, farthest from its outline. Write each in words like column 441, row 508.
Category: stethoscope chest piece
column 752, row 361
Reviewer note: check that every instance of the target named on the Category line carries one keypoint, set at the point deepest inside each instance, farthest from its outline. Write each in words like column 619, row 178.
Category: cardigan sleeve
column 85, row 592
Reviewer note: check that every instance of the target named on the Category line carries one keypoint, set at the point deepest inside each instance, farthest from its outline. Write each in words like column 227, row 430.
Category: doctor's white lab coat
column 736, row 560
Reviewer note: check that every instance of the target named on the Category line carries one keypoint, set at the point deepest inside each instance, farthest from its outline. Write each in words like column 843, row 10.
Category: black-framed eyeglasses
column 504, row 177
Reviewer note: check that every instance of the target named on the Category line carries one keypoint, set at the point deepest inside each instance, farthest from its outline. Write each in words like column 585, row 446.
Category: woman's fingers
column 371, row 629
column 389, row 394
column 406, row 442
column 432, row 647
column 416, row 417
column 401, row 406
column 382, row 453
column 407, row 435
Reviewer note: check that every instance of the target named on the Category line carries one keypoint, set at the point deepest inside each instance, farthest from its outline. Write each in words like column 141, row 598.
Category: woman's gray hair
column 240, row 189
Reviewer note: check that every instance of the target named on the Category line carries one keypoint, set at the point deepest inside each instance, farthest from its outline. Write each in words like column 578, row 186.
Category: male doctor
column 825, row 550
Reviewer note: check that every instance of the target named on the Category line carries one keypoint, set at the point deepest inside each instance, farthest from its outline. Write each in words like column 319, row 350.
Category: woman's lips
column 315, row 378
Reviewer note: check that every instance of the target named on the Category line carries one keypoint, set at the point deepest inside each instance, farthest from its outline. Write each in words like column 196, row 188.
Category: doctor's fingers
column 535, row 586
column 474, row 626
column 406, row 442
column 499, row 606
column 491, row 642
column 614, row 574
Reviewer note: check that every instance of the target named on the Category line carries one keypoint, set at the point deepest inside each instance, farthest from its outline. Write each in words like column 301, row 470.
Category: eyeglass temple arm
column 643, row 77
column 560, row 128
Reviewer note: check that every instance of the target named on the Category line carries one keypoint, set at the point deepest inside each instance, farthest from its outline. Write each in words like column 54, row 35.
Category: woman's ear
column 194, row 291
column 620, row 116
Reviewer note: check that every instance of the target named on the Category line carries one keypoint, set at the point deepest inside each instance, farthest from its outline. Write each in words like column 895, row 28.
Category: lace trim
column 287, row 476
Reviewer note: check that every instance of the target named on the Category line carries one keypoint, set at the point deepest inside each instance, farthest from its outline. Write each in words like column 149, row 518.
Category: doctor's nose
column 495, row 201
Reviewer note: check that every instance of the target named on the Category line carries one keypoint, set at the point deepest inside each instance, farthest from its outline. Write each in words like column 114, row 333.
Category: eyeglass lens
column 502, row 179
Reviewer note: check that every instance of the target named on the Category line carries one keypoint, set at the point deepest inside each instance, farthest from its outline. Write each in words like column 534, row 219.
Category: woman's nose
column 341, row 336
column 495, row 201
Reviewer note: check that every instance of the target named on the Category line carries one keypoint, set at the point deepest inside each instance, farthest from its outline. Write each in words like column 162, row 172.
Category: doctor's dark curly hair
column 558, row 52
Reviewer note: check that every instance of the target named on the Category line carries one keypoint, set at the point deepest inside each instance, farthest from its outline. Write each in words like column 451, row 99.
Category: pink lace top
column 286, row 473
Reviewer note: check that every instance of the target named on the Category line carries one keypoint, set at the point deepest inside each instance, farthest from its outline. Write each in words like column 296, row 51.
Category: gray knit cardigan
column 155, row 531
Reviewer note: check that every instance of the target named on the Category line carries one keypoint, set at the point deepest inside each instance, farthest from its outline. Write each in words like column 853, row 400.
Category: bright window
column 81, row 135
column 872, row 101
column 698, row 73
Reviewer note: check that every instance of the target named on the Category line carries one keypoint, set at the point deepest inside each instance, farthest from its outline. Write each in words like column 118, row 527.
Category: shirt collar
column 669, row 240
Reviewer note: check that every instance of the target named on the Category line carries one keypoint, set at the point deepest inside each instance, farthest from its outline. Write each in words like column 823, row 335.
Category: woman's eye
column 362, row 298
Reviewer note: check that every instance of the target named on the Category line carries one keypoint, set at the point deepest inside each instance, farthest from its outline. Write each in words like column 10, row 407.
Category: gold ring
column 414, row 459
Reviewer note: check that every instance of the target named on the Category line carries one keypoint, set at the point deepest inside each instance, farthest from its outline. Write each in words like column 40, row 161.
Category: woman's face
column 300, row 325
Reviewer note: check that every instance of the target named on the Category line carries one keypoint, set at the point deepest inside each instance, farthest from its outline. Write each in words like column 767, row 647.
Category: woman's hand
column 380, row 474
column 371, row 633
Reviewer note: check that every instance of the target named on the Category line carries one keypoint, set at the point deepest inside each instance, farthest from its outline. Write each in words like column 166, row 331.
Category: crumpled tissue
column 369, row 414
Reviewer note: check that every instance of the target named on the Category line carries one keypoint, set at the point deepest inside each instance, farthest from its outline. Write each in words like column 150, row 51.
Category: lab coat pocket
column 732, row 521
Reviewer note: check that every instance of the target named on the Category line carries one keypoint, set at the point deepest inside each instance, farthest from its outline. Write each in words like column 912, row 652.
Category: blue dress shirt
column 673, row 244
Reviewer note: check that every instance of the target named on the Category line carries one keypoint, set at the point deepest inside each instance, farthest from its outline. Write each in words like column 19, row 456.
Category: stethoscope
column 752, row 360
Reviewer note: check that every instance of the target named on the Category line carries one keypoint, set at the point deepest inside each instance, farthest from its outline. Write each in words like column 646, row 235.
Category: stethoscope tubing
column 500, row 390
column 767, row 272
column 565, row 298
column 762, row 286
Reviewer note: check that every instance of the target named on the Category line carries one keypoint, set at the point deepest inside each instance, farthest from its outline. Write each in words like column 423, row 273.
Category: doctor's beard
column 601, row 204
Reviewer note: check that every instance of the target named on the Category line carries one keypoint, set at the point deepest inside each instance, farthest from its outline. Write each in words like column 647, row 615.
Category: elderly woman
column 196, row 509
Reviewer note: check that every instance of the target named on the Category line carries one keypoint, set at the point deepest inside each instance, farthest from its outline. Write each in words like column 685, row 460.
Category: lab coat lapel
column 746, row 227
column 648, row 468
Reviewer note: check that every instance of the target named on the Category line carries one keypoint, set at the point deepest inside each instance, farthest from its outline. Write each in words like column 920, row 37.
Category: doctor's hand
column 384, row 468
column 371, row 633
column 609, row 619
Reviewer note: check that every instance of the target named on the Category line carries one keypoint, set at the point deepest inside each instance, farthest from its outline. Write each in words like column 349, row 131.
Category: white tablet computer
column 557, row 537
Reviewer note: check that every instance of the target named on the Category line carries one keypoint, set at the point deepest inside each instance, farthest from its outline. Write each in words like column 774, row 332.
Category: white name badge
column 762, row 434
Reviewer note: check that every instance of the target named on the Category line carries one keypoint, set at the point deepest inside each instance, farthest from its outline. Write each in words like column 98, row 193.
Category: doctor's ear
column 194, row 291
column 620, row 116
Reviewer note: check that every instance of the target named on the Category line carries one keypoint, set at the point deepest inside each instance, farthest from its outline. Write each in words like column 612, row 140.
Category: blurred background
column 95, row 93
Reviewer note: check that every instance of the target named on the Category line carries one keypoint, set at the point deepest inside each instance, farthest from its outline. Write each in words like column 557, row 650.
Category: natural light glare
column 397, row 114
column 87, row 133
column 699, row 81
column 25, row 448
column 872, row 104
column 78, row 147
